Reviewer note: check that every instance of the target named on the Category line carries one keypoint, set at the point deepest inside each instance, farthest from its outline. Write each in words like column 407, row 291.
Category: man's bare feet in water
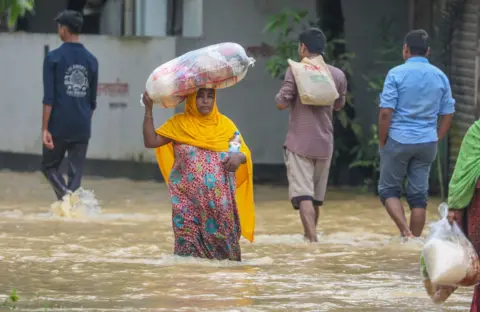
column 395, row 210
column 308, row 217
column 305, row 238
column 408, row 234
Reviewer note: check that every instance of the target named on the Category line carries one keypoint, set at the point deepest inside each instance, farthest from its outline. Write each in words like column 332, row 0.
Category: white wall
column 117, row 131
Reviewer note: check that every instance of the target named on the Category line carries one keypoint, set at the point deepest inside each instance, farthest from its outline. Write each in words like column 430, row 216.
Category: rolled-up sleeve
column 48, row 80
column 447, row 106
column 288, row 91
column 389, row 95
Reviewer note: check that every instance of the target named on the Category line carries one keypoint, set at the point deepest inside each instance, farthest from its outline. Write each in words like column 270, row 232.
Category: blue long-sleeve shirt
column 418, row 93
column 70, row 79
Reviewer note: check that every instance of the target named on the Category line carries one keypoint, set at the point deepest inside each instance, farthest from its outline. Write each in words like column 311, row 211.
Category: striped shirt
column 310, row 129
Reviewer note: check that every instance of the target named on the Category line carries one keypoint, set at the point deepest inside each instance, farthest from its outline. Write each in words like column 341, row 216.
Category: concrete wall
column 117, row 124
column 250, row 104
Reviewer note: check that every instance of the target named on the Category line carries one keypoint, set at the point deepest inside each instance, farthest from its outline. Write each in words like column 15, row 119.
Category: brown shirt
column 310, row 129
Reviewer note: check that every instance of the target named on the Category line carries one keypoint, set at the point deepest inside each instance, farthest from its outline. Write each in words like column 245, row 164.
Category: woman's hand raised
column 147, row 101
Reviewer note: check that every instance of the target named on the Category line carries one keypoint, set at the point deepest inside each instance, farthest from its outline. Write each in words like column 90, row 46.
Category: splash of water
column 80, row 204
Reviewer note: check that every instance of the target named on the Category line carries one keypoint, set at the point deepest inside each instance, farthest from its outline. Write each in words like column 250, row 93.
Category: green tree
column 16, row 9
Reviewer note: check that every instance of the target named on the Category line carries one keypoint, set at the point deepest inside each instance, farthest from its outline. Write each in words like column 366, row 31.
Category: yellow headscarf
column 211, row 132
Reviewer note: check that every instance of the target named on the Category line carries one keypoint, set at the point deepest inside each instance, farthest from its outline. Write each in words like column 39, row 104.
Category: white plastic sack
column 446, row 262
column 217, row 66
column 314, row 81
column 448, row 257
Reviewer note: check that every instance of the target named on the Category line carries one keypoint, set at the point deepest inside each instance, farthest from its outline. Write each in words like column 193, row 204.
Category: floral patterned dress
column 205, row 217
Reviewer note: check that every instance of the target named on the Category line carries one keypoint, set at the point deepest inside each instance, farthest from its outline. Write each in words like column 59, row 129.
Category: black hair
column 71, row 29
column 314, row 39
column 417, row 42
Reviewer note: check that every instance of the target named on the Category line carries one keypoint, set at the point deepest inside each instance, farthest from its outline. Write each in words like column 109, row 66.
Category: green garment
column 467, row 170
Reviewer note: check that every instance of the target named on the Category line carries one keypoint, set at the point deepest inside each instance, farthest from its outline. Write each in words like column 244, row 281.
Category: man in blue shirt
column 415, row 94
column 70, row 78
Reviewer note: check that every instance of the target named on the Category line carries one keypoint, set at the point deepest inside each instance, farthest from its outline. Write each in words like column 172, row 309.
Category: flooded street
column 121, row 260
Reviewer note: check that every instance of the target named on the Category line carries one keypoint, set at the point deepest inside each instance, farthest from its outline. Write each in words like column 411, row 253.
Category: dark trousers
column 52, row 159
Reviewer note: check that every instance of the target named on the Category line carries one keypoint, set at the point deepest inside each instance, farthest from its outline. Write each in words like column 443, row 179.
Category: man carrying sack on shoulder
column 312, row 90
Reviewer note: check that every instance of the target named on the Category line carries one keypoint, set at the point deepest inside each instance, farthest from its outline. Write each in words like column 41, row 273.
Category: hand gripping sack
column 448, row 258
column 217, row 66
column 314, row 81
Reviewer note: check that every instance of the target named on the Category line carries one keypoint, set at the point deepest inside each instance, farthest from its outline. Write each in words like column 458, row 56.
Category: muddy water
column 121, row 260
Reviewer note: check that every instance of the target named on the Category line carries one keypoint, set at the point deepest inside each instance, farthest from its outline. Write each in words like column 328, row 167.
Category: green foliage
column 367, row 155
column 16, row 8
column 386, row 56
column 13, row 296
column 286, row 47
column 11, row 301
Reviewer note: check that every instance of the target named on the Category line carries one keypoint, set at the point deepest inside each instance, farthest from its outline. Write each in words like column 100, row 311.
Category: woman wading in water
column 211, row 190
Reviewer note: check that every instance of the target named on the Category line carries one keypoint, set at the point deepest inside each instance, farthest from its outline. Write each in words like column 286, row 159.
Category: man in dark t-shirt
column 70, row 78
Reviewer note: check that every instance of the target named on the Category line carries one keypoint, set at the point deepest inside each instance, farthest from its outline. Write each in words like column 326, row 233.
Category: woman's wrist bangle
column 148, row 116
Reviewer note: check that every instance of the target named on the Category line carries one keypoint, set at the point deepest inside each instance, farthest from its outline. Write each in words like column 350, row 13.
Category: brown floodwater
column 121, row 259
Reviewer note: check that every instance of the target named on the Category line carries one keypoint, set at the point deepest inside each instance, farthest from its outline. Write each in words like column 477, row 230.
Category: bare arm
column 48, row 89
column 384, row 120
column 445, row 124
column 288, row 92
column 47, row 111
column 150, row 138
column 93, row 87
